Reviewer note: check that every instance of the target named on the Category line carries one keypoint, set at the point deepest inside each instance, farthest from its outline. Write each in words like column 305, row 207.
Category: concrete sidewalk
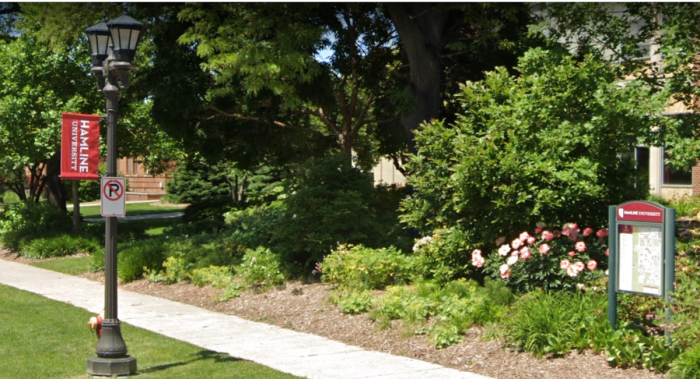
column 300, row 354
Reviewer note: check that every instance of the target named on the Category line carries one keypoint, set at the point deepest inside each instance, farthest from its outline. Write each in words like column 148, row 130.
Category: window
column 676, row 177
column 641, row 154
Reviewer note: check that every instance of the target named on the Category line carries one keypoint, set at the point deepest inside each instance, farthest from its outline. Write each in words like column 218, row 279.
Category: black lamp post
column 113, row 46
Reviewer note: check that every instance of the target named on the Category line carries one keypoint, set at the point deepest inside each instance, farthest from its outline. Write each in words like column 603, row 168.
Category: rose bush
column 559, row 259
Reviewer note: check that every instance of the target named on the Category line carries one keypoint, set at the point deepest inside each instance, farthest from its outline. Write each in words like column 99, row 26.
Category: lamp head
column 99, row 42
column 125, row 33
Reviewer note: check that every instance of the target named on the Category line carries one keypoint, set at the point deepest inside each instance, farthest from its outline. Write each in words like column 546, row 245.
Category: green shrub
column 557, row 322
column 545, row 323
column 454, row 307
column 445, row 255
column 135, row 258
column 216, row 276
column 549, row 260
column 261, row 268
column 547, row 145
column 176, row 269
column 686, row 206
column 364, row 268
column 328, row 202
column 27, row 220
column 58, row 246
column 353, row 301
column 687, row 365
column 253, row 226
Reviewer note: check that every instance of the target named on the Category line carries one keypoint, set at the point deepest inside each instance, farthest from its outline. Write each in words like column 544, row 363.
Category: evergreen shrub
column 27, row 220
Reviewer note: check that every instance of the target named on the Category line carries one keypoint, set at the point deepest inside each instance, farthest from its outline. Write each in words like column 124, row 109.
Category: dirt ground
column 305, row 308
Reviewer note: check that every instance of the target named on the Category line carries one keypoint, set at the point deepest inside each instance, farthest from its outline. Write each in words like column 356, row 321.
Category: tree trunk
column 420, row 29
column 56, row 191
column 76, row 207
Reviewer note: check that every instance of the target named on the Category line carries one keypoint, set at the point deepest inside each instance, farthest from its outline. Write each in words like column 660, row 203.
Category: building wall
column 141, row 185
column 385, row 173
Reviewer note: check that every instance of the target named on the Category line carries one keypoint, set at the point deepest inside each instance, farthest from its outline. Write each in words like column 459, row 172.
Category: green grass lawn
column 131, row 210
column 68, row 265
column 154, row 227
column 41, row 338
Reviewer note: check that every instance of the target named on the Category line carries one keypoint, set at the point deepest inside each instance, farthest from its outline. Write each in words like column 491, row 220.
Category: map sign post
column 642, row 248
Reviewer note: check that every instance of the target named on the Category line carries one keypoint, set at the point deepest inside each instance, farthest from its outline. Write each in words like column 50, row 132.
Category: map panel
column 641, row 259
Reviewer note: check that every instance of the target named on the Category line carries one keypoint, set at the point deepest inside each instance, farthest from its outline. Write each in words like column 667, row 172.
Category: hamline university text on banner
column 80, row 145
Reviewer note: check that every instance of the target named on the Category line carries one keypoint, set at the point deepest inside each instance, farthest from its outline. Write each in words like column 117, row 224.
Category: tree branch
column 363, row 115
column 262, row 120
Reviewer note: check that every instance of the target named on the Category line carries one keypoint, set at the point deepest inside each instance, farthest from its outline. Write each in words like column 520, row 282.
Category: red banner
column 80, row 146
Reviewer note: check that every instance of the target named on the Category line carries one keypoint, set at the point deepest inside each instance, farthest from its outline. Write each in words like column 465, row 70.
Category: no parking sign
column 113, row 192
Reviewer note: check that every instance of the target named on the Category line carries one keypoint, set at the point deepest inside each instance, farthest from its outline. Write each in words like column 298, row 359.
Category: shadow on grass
column 200, row 356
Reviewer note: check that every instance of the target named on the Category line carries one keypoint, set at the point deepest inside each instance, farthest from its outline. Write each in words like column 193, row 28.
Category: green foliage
column 330, row 202
column 557, row 322
column 362, row 268
column 27, row 220
column 684, row 326
column 134, row 259
column 627, row 346
column 216, row 276
column 547, row 146
column 687, row 365
column 58, row 246
column 253, row 226
column 551, row 260
column 33, row 94
column 610, row 38
column 353, row 301
column 686, row 206
column 261, row 268
column 443, row 256
column 455, row 307
column 176, row 269
column 547, row 323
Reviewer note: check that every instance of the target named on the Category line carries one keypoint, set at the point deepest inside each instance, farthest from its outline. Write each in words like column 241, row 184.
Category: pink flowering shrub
column 566, row 258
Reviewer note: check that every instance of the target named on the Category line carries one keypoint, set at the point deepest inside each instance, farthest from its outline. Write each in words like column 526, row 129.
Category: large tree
column 36, row 86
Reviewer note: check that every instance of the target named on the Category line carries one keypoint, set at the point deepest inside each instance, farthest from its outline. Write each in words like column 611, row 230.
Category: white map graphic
column 649, row 252
column 641, row 260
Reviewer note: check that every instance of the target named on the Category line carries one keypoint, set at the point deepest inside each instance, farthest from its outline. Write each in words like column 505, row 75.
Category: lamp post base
column 124, row 366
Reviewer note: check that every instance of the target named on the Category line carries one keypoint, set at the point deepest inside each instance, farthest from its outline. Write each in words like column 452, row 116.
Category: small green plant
column 443, row 256
column 261, row 268
column 216, row 276
column 547, row 323
column 233, row 289
column 364, row 268
column 454, row 307
column 352, row 301
column 175, row 269
column 687, row 365
column 154, row 276
column 686, row 206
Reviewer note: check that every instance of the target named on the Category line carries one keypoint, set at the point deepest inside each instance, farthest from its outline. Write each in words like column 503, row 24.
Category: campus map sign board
column 642, row 248
column 80, row 146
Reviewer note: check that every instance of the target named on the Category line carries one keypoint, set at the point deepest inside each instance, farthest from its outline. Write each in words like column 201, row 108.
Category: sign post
column 113, row 203
column 642, row 252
